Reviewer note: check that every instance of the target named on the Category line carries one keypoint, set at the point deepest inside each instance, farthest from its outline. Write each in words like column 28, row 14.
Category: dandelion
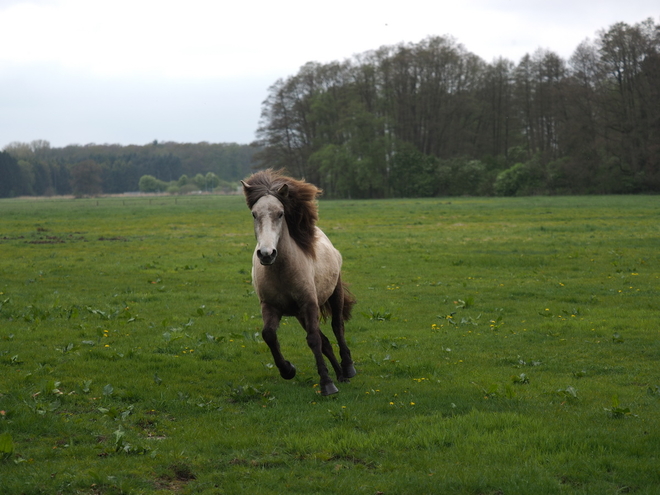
column 107, row 345
column 412, row 403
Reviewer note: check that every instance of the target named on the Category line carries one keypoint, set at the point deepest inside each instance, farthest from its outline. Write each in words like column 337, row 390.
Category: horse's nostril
column 267, row 255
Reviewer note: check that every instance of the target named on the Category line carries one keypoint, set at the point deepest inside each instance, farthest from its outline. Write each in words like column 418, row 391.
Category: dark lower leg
column 314, row 341
column 269, row 334
column 336, row 303
column 330, row 354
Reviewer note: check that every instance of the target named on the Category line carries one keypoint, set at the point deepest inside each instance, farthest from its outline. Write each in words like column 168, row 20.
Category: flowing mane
column 299, row 201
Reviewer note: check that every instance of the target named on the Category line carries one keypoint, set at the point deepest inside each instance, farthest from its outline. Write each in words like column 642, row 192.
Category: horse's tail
column 347, row 307
column 349, row 302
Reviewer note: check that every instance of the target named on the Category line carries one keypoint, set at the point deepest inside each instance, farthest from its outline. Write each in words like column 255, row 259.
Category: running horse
column 296, row 271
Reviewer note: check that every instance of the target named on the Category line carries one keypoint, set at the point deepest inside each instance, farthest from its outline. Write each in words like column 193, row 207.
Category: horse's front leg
column 309, row 319
column 272, row 319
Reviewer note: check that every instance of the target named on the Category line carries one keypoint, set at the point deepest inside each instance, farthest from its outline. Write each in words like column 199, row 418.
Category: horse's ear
column 284, row 190
column 246, row 187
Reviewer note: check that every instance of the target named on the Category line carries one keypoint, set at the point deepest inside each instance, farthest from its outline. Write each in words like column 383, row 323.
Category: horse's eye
column 280, row 215
column 254, row 215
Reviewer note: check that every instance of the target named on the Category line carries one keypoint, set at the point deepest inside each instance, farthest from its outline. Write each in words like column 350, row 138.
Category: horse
column 296, row 271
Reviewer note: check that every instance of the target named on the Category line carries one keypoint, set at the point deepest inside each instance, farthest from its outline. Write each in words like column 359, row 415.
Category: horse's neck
column 287, row 247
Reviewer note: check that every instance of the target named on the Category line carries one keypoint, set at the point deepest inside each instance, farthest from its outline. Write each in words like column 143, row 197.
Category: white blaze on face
column 268, row 215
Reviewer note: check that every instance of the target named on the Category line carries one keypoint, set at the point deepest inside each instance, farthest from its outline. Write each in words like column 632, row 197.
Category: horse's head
column 268, row 214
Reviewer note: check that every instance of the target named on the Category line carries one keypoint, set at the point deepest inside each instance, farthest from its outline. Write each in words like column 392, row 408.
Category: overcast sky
column 131, row 71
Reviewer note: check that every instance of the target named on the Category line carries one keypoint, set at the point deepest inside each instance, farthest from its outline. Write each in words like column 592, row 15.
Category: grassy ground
column 503, row 346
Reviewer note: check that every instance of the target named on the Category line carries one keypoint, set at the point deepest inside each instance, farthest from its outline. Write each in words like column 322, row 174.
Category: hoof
column 329, row 389
column 289, row 373
column 349, row 371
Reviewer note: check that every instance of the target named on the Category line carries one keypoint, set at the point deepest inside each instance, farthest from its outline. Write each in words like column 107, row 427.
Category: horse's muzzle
column 267, row 258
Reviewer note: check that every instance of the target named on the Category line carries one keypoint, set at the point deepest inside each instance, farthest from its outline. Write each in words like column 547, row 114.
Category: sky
column 134, row 71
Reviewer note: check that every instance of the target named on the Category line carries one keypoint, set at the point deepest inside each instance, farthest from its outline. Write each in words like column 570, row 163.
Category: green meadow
column 503, row 346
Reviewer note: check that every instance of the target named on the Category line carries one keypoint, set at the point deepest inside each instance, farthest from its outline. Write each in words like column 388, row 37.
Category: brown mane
column 300, row 208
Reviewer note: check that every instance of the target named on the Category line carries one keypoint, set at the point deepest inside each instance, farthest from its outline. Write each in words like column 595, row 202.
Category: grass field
column 503, row 346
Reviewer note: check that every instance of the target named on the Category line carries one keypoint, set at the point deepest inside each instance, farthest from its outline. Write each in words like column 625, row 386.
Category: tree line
column 432, row 118
column 414, row 119
column 37, row 169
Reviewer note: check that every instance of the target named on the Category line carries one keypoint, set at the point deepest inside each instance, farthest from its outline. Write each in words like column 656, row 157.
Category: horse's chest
column 284, row 290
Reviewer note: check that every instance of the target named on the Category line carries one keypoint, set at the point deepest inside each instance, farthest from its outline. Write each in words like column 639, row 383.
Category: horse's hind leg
column 272, row 319
column 337, row 306
column 330, row 354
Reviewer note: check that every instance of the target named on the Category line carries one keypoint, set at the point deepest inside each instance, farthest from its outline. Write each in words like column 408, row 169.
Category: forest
column 411, row 120
column 432, row 119
column 37, row 169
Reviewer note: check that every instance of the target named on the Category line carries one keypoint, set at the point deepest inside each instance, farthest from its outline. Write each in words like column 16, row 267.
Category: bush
column 149, row 184
column 188, row 188
column 461, row 177
column 413, row 174
column 512, row 180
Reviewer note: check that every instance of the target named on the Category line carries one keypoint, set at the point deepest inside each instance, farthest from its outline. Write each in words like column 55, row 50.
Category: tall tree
column 86, row 178
column 11, row 178
column 629, row 63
